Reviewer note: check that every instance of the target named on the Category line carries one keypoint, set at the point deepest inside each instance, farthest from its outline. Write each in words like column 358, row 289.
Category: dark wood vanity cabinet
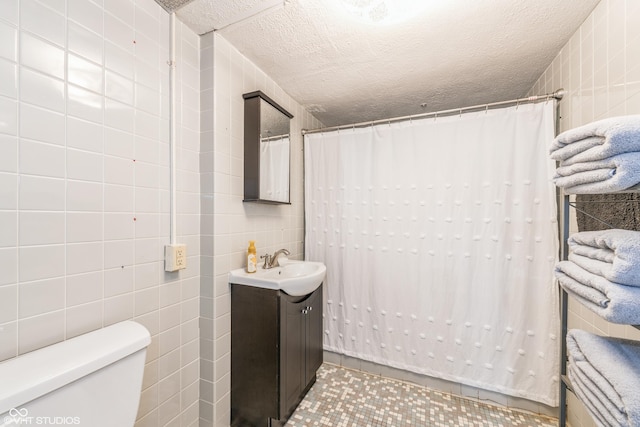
column 276, row 349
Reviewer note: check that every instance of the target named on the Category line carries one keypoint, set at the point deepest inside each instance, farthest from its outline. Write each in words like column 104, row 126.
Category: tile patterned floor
column 345, row 398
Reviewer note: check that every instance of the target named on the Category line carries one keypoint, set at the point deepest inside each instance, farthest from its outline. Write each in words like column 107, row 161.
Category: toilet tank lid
column 34, row 374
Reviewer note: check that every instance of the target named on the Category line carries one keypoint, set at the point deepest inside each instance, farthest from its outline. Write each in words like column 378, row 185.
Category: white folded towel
column 611, row 301
column 597, row 140
column 617, row 173
column 612, row 254
column 601, row 410
column 614, row 373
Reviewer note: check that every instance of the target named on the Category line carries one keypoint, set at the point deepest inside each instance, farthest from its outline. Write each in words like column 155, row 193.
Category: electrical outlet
column 175, row 257
column 181, row 256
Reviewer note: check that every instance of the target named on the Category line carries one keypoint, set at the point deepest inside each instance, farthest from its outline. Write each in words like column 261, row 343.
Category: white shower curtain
column 274, row 169
column 440, row 238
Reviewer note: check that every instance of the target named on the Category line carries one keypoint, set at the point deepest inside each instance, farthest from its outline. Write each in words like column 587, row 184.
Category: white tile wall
column 226, row 222
column 42, row 55
column 600, row 69
column 84, row 186
column 42, row 125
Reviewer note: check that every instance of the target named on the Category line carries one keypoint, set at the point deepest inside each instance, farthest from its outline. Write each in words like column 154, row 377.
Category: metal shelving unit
column 565, row 384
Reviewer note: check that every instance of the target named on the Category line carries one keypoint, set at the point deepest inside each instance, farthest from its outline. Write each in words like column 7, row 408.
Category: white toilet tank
column 92, row 380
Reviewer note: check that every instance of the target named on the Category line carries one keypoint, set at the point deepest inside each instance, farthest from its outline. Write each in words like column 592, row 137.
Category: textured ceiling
column 172, row 5
column 454, row 53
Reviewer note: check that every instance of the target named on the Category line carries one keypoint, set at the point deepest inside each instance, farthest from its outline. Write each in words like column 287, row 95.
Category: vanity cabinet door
column 314, row 352
column 255, row 356
column 301, row 348
column 293, row 354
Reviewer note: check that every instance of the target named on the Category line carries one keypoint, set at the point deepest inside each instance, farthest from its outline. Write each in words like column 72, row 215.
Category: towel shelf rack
column 594, row 217
column 565, row 383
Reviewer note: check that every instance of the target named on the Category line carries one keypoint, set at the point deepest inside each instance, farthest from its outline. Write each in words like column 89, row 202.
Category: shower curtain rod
column 558, row 94
column 274, row 138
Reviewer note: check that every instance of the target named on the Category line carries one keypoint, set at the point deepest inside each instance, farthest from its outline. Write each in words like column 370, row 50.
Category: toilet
column 92, row 380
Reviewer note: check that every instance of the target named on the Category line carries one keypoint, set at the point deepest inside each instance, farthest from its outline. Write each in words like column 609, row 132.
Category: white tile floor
column 346, row 398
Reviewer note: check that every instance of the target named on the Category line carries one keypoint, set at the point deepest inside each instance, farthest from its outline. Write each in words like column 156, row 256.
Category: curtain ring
column 435, row 117
column 486, row 108
column 517, row 104
column 460, row 113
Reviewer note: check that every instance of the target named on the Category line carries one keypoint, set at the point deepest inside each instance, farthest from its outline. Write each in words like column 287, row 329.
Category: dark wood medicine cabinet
column 267, row 150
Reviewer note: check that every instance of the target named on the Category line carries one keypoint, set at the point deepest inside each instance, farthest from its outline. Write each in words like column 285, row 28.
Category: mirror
column 266, row 150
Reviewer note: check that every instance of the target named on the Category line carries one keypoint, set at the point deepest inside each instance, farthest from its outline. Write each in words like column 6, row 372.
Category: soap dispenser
column 252, row 260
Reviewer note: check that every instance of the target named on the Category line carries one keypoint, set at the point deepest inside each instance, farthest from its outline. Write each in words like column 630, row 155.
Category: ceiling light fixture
column 383, row 12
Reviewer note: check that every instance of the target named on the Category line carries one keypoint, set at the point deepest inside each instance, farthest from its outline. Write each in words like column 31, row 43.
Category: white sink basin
column 296, row 278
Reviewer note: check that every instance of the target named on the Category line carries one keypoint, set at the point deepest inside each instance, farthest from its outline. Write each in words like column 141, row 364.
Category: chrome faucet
column 271, row 261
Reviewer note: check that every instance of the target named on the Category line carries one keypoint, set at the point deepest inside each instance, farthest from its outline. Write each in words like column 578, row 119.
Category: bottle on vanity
column 252, row 260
